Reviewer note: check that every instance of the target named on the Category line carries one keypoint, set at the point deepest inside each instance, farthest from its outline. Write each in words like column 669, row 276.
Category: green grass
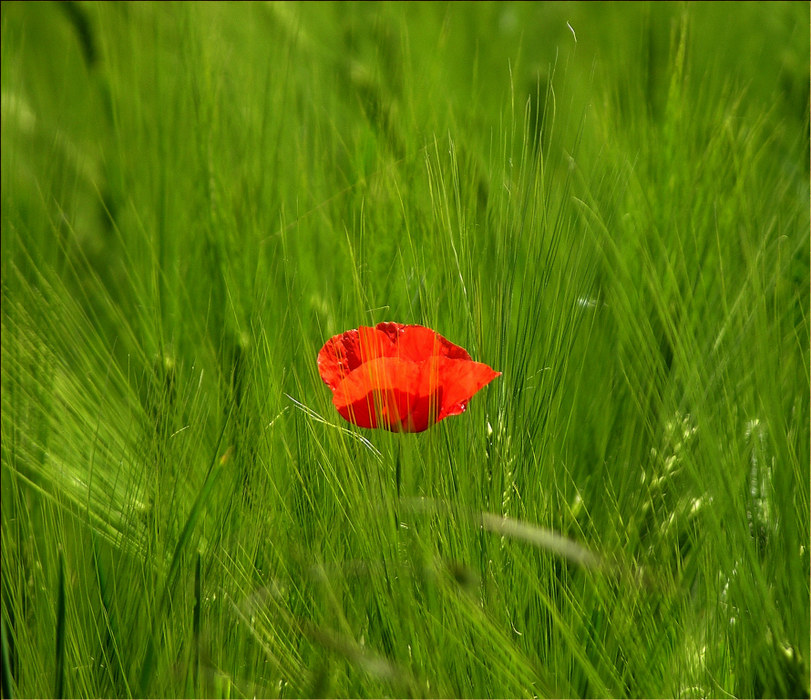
column 609, row 203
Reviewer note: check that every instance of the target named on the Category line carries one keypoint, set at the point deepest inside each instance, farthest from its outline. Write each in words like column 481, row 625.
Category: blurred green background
column 607, row 202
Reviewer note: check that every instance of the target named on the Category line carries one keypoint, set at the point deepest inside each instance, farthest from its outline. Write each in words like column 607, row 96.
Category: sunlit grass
column 606, row 203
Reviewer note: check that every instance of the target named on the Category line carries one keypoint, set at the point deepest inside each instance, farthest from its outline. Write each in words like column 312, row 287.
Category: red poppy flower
column 398, row 377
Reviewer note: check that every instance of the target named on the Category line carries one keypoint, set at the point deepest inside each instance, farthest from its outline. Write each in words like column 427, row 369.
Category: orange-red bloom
column 398, row 377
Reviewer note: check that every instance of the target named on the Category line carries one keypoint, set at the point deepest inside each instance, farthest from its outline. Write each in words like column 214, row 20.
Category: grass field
column 608, row 203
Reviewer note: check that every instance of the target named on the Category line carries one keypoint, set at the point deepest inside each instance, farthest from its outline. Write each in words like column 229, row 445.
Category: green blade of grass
column 59, row 668
column 7, row 679
column 214, row 470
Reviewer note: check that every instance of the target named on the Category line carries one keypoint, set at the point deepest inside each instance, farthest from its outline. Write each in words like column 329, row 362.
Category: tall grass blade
column 215, row 468
column 7, row 684
column 59, row 669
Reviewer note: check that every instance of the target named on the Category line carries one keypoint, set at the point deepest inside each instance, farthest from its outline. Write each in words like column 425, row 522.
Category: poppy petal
column 460, row 380
column 418, row 343
column 399, row 377
column 346, row 352
column 379, row 393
